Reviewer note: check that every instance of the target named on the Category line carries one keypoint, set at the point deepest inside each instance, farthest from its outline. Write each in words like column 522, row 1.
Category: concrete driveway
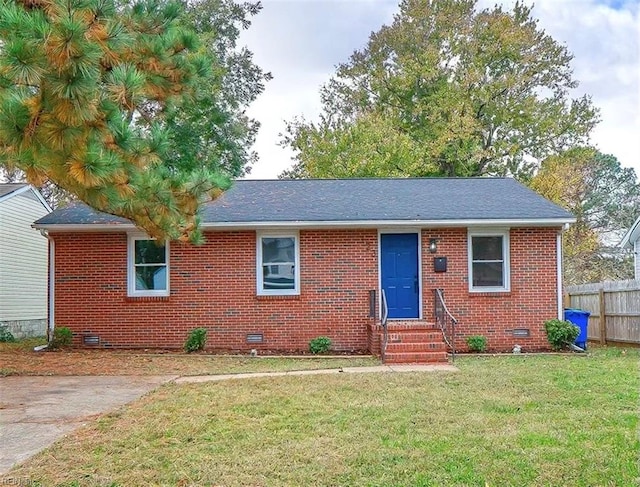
column 36, row 411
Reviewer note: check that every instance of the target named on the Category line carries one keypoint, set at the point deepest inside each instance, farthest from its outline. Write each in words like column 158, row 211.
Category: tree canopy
column 605, row 199
column 212, row 130
column 447, row 89
column 90, row 92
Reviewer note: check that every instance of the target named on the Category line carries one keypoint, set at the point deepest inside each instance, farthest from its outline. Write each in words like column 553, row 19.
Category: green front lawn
column 509, row 420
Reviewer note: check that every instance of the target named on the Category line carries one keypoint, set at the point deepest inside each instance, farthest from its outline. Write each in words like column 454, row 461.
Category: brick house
column 286, row 261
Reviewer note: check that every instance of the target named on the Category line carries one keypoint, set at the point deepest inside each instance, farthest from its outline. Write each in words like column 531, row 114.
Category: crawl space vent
column 91, row 340
column 255, row 338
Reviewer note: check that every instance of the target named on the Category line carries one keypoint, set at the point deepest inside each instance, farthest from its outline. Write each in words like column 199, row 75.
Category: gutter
column 318, row 224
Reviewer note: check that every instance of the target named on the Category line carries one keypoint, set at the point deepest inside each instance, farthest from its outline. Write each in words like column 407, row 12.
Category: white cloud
column 301, row 42
column 605, row 41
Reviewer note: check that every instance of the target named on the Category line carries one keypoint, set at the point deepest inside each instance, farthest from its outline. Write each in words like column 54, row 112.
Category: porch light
column 433, row 245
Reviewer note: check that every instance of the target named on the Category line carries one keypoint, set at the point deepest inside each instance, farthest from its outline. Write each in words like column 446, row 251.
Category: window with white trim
column 278, row 271
column 489, row 261
column 148, row 267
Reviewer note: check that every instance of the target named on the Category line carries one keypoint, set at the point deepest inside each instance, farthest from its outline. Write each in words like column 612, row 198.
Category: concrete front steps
column 414, row 342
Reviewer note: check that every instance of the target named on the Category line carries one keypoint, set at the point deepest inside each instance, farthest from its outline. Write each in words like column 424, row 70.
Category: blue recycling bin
column 580, row 318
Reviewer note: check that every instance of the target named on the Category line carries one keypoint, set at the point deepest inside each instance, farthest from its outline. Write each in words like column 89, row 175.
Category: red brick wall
column 531, row 301
column 214, row 286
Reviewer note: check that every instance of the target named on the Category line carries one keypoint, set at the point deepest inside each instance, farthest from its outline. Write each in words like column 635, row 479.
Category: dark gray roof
column 6, row 188
column 358, row 200
column 80, row 214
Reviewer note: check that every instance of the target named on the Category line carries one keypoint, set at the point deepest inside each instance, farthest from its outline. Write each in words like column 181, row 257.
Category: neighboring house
column 286, row 261
column 631, row 240
column 23, row 261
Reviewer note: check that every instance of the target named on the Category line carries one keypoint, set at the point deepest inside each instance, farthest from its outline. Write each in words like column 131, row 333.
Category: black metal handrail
column 445, row 320
column 383, row 322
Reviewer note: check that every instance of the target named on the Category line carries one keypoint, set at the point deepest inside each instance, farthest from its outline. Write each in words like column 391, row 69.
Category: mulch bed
column 79, row 361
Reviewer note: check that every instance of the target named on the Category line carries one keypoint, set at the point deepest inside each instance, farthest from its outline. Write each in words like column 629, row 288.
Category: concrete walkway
column 344, row 370
column 36, row 411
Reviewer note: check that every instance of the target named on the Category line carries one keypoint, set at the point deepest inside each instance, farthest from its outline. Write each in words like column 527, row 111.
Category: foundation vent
column 255, row 338
column 91, row 340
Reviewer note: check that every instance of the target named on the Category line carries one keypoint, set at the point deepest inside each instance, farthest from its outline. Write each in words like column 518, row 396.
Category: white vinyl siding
column 23, row 259
column 636, row 258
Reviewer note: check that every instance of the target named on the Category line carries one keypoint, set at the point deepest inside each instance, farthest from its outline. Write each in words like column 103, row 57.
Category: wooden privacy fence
column 614, row 308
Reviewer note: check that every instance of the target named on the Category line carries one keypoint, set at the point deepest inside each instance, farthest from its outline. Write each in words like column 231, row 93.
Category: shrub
column 5, row 335
column 320, row 345
column 62, row 337
column 477, row 343
column 561, row 333
column 196, row 340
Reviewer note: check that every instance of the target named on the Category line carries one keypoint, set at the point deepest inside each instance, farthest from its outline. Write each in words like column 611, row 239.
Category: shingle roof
column 358, row 200
column 6, row 188
column 80, row 214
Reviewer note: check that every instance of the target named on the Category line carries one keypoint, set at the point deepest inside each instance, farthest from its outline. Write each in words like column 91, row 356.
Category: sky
column 302, row 41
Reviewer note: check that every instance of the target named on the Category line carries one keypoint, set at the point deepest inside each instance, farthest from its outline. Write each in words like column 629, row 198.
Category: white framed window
column 489, row 266
column 147, row 267
column 278, row 269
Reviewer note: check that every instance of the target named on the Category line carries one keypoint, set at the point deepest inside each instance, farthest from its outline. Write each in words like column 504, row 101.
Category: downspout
column 559, row 271
column 52, row 275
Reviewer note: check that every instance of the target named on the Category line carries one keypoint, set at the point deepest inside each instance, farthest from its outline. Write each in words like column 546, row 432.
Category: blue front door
column 399, row 266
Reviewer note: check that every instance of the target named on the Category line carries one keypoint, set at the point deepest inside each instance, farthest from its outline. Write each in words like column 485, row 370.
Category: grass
column 506, row 420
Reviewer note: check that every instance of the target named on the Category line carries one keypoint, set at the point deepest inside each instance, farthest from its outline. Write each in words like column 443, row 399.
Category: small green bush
column 560, row 333
column 477, row 343
column 196, row 340
column 320, row 345
column 62, row 337
column 5, row 335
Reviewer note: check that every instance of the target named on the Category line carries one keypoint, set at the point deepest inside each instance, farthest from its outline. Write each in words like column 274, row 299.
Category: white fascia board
column 15, row 193
column 24, row 189
column 632, row 235
column 41, row 199
column 548, row 222
column 320, row 225
column 85, row 227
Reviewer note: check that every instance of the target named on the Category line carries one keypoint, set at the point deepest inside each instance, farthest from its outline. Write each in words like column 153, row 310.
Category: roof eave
column 632, row 235
column 321, row 224
column 541, row 222
column 13, row 193
column 84, row 227
column 24, row 189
